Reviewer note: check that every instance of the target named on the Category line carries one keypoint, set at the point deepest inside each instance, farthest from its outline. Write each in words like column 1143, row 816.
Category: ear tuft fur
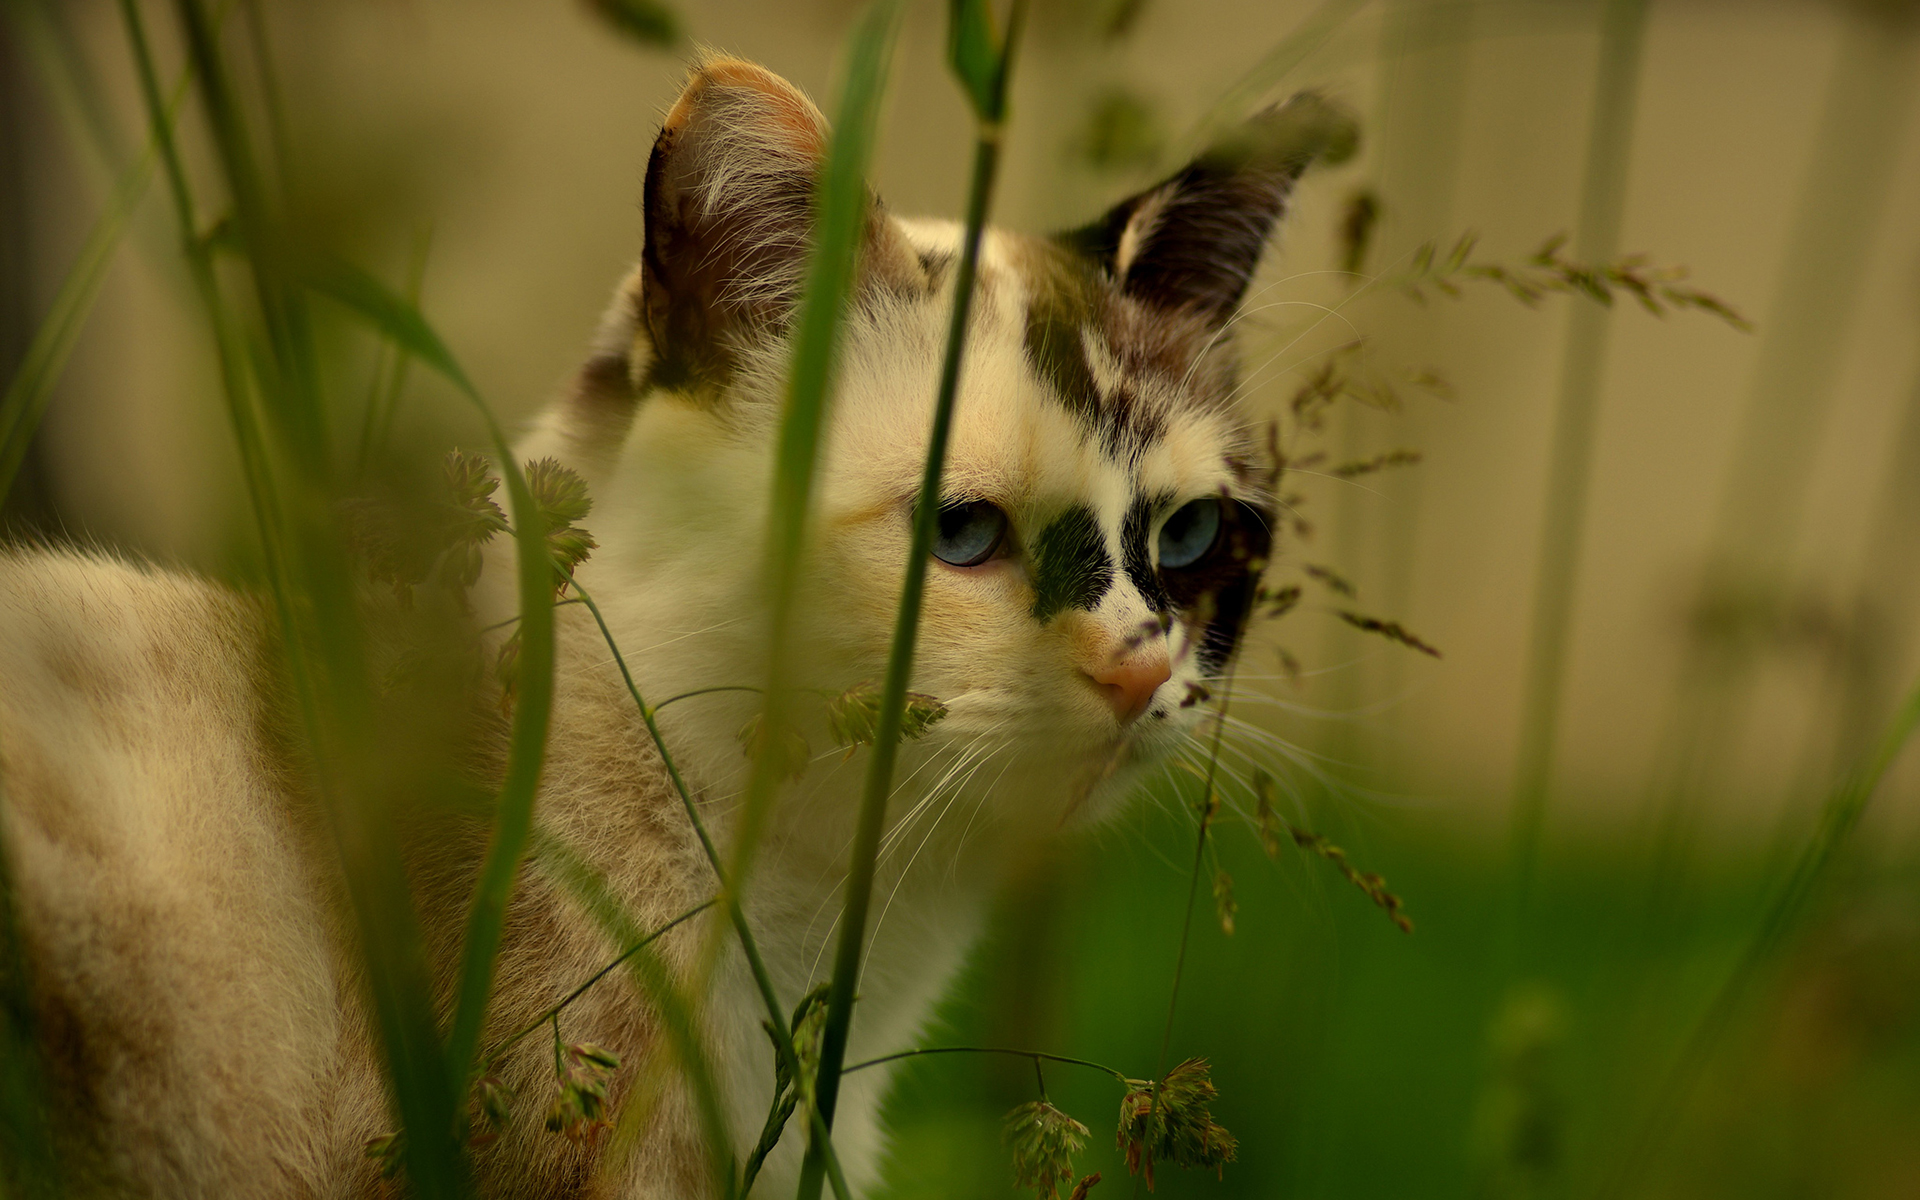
column 1192, row 242
column 728, row 209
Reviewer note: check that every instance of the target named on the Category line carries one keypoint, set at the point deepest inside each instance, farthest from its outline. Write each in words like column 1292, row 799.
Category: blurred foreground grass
column 1354, row 1061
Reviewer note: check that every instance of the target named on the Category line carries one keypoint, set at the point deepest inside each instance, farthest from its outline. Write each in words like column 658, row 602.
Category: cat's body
column 196, row 972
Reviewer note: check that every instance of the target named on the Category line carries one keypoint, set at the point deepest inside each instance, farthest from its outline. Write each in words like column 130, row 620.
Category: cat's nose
column 1129, row 681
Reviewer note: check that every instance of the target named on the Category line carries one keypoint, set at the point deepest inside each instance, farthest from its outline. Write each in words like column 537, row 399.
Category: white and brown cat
column 1102, row 527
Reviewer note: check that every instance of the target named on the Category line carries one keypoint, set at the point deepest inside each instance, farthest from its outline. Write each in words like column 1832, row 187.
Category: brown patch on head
column 1191, row 243
column 1122, row 366
column 1156, row 282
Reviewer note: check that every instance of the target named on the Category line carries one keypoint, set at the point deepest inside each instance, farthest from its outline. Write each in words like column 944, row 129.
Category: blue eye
column 969, row 533
column 1189, row 534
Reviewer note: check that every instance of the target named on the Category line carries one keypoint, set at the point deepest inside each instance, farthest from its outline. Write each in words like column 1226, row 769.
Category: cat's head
column 1106, row 505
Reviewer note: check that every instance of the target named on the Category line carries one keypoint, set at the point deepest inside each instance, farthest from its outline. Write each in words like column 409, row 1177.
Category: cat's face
column 1103, row 519
column 1105, row 505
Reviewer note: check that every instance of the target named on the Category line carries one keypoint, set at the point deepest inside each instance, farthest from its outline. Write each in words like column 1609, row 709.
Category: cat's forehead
column 1074, row 392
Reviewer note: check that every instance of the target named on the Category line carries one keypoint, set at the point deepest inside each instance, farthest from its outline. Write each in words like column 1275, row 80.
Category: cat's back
column 163, row 870
column 130, row 702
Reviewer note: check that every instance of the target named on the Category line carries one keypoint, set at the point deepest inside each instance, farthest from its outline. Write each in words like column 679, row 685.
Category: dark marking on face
column 1216, row 593
column 1059, row 356
column 1057, row 350
column 1136, row 554
column 1071, row 568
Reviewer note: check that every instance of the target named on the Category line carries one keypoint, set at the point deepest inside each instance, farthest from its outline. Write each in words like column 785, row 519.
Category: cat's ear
column 729, row 213
column 1191, row 243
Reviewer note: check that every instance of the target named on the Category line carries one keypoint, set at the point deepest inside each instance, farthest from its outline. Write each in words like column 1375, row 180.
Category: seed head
column 1043, row 1140
column 1178, row 1125
column 854, row 715
column 791, row 752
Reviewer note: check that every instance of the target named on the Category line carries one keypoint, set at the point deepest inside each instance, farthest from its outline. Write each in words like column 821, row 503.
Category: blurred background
column 1672, row 566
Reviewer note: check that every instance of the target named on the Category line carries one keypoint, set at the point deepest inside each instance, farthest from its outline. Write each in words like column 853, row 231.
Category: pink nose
column 1129, row 682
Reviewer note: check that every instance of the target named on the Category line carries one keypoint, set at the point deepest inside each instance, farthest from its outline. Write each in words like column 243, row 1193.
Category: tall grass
column 278, row 404
column 284, row 456
column 1748, row 572
column 840, row 208
column 983, row 62
column 1570, row 468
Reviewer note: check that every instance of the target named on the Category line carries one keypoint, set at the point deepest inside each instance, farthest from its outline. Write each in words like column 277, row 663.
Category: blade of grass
column 841, row 211
column 1206, row 812
column 507, row 1043
column 1839, row 816
column 654, row 980
column 1569, row 474
column 776, row 1012
column 390, row 370
column 47, row 29
column 292, row 394
column 403, row 323
column 986, row 84
column 1274, row 66
column 1843, row 196
column 31, row 388
column 312, row 593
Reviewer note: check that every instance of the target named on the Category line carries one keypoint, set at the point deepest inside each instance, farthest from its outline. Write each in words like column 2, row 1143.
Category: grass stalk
column 535, row 582
column 1275, row 65
column 763, row 981
column 512, row 1039
column 652, row 977
column 321, row 641
column 1570, row 470
column 1843, row 196
column 841, row 211
column 1206, row 812
column 1839, row 816
column 1036, row 1055
column 390, row 370
column 968, row 22
column 31, row 388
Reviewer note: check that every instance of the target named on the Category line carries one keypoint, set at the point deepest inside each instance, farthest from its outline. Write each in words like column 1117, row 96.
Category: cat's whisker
column 978, row 808
column 901, row 878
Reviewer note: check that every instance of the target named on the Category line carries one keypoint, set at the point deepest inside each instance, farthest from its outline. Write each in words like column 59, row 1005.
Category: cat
column 1103, row 527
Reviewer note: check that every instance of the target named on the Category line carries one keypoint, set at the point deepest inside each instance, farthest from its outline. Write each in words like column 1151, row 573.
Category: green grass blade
column 756, row 964
column 321, row 644
column 645, row 21
column 400, row 320
column 841, row 213
column 1839, row 816
column 653, row 979
column 1582, row 368
column 32, row 386
column 858, row 889
column 975, row 58
column 393, row 316
column 390, row 371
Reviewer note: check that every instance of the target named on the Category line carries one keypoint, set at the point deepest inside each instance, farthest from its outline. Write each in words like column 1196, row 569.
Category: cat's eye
column 1189, row 534
column 969, row 533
